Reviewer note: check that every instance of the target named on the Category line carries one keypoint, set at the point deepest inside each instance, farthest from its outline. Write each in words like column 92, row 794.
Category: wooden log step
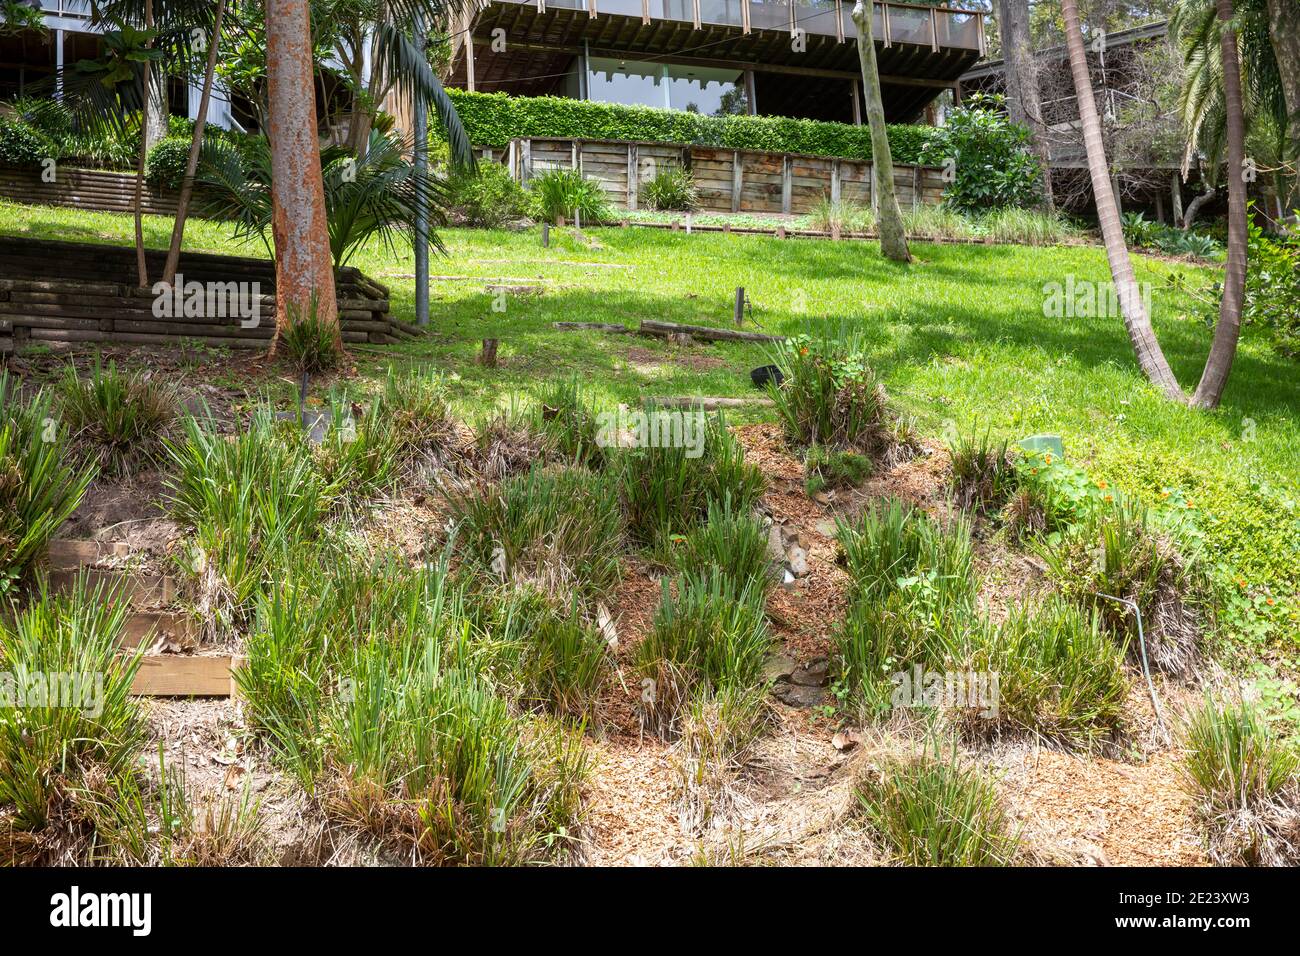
column 148, row 626
column 664, row 329
column 66, row 554
column 706, row 402
column 142, row 590
column 614, row 327
column 179, row 675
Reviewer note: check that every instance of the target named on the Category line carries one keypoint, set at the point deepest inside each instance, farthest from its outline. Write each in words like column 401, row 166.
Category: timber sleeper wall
column 55, row 291
column 100, row 189
column 727, row 180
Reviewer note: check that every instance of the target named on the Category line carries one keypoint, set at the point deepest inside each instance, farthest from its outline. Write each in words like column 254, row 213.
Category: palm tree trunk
column 196, row 144
column 304, row 271
column 1024, row 104
column 1284, row 37
column 889, row 219
column 1136, row 321
column 1224, row 348
column 141, row 263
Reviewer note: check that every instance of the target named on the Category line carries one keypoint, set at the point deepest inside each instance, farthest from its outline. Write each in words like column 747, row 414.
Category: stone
column 779, row 667
column 815, row 674
column 797, row 695
column 798, row 561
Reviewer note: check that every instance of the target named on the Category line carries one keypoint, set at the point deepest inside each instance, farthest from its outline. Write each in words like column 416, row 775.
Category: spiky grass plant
column 672, row 189
column 1120, row 552
column 568, row 193
column 359, row 455
column 847, row 215
column 718, row 733
column 511, row 440
column 667, row 488
column 117, row 419
column 66, row 717
column 249, row 501
column 558, row 658
column 309, row 341
column 936, row 810
column 729, row 542
column 708, row 634
column 829, row 395
column 881, row 637
column 39, row 488
column 1027, row 227
column 983, row 472
column 416, row 406
column 563, row 413
column 558, row 530
column 832, row 468
column 936, row 222
column 1244, row 780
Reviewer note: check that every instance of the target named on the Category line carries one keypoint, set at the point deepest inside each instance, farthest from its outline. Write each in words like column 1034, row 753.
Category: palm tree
column 304, row 270
column 1136, row 321
column 1224, row 348
column 893, row 238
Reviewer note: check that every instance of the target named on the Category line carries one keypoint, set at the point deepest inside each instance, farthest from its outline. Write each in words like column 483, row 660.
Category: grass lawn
column 959, row 338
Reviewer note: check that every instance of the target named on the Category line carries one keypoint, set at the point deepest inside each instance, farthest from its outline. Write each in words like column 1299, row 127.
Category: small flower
column 1048, row 458
column 1108, row 498
column 1164, row 495
column 1269, row 601
column 1241, row 583
column 1189, row 505
column 1101, row 483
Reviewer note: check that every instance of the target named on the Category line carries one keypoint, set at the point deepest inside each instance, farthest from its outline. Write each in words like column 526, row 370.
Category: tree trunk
column 196, row 144
column 1136, row 321
column 141, row 263
column 1194, row 207
column 1284, row 37
column 304, row 272
column 1024, row 104
column 889, row 218
column 1224, row 348
column 155, row 126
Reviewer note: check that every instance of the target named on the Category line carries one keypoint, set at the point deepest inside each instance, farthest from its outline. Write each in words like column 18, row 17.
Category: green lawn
column 959, row 337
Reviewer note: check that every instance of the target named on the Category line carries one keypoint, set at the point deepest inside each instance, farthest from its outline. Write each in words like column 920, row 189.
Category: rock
column 778, row 667
column 796, row 695
column 815, row 674
column 798, row 561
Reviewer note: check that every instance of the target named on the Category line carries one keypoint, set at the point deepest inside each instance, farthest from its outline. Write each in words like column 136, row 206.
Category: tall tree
column 142, row 263
column 889, row 218
column 1284, row 35
column 304, row 272
column 1149, row 355
column 1226, row 333
column 1024, row 102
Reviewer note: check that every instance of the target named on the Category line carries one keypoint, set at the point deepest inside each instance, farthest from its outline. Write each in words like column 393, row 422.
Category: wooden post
column 1176, row 196
column 916, row 183
column 1160, row 205
column 780, row 231
column 469, row 55
column 740, row 306
column 546, row 235
column 786, row 183
column 871, row 186
column 934, row 31
column 631, row 177
column 526, row 163
column 488, row 358
column 835, row 181
column 645, row 12
column 726, row 228
column 510, row 162
column 835, row 229
column 737, row 180
column 751, row 97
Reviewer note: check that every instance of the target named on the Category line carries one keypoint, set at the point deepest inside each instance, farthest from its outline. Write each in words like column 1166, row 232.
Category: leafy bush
column 667, row 490
column 833, row 468
column 487, row 196
column 932, row 811
column 20, row 145
column 119, row 418
column 493, row 119
column 1026, row 227
column 671, row 189
column 1142, row 232
column 165, row 165
column 729, row 542
column 708, row 634
column 995, row 166
column 38, row 489
column 568, row 193
column 1273, row 288
column 1243, row 779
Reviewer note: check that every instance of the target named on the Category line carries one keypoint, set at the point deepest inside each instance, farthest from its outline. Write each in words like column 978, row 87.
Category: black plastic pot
column 767, row 373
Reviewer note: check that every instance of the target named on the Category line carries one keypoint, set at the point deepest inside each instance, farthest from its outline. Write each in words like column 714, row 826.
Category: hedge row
column 493, row 119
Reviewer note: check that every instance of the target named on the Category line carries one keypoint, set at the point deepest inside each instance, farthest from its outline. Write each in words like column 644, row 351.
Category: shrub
column 416, row 407
column 671, row 189
column 310, row 342
column 20, row 145
column 1243, row 779
column 983, row 471
column 119, row 419
column 561, row 659
column 1026, row 227
column 729, row 542
column 995, row 166
column 166, row 162
column 832, row 468
column 1273, row 288
column 38, row 489
column 564, row 414
column 568, row 193
column 935, row 812
column 667, row 490
column 559, row 531
column 488, row 196
column 708, row 635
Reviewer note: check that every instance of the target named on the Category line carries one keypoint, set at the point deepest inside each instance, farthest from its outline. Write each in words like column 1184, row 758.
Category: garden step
column 142, row 590
column 68, row 553
column 179, row 675
column 151, row 625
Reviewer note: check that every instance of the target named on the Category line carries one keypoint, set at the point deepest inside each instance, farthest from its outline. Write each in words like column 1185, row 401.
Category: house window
column 706, row 90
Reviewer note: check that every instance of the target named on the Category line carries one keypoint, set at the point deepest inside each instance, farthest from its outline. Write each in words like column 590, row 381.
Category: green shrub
column 995, row 165
column 932, row 811
column 118, row 418
column 848, row 216
column 20, row 145
column 493, row 119
column 833, row 468
column 671, row 189
column 729, row 542
column 668, row 490
column 983, row 471
column 1243, row 779
column 39, row 490
column 568, row 193
column 165, row 165
column 708, row 635
column 1026, row 227
column 557, row 530
column 488, row 197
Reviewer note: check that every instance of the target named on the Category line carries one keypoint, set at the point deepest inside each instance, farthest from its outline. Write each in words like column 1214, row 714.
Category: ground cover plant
column 117, row 418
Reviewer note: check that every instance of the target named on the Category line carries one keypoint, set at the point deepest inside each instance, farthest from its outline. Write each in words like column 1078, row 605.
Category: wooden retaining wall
column 727, row 180
column 103, row 190
column 56, row 291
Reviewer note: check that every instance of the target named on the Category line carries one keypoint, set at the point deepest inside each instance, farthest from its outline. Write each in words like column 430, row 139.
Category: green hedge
column 493, row 119
column 20, row 145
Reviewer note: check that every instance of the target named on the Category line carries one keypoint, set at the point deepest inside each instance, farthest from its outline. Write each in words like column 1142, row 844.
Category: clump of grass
column 310, row 342
column 936, row 222
column 1244, row 781
column 560, row 659
column 1027, row 227
column 830, row 468
column 729, row 542
column 830, row 396
column 359, row 454
column 668, row 490
column 557, row 530
column 564, row 414
column 718, row 733
column 708, row 635
column 1119, row 552
column 118, row 419
column 568, row 193
column 39, row 489
column 415, row 406
column 67, row 719
column 881, row 637
column 671, row 189
column 936, row 811
column 510, row 441
column 847, row 215
column 983, row 471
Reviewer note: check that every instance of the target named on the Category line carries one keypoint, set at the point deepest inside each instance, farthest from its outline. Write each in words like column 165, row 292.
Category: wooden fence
column 727, row 180
column 99, row 189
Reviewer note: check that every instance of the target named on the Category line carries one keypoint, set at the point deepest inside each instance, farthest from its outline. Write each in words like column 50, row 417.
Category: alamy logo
column 213, row 300
column 947, row 690
column 1085, row 299
column 660, row 428
column 73, row 691
column 74, row 909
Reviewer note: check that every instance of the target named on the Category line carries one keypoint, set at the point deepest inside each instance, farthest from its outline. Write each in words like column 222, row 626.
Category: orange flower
column 1101, row 483
column 1189, row 505
column 1108, row 497
column 1048, row 458
column 1164, row 495
column 1269, row 601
